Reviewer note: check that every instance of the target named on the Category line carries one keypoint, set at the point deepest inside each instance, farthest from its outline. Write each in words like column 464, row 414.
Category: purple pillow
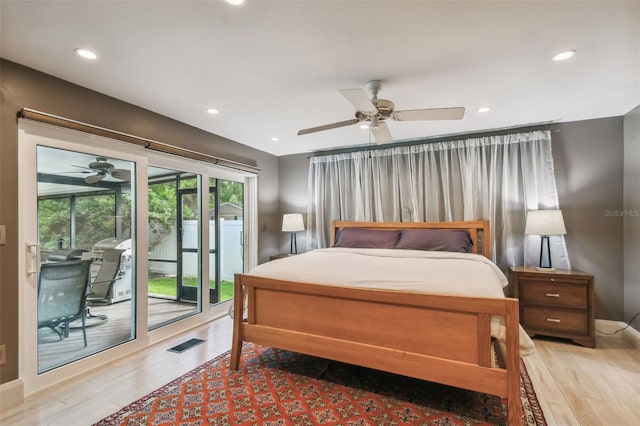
column 436, row 240
column 367, row 238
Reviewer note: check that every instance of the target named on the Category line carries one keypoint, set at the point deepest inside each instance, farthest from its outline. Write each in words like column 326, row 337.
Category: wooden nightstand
column 559, row 303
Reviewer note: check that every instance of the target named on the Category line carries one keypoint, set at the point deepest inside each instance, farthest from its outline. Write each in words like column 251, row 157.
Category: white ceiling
column 274, row 67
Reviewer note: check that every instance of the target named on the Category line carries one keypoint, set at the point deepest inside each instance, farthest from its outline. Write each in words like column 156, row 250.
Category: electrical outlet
column 3, row 354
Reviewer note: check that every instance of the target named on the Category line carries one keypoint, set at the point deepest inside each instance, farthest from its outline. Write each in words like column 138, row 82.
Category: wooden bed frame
column 443, row 339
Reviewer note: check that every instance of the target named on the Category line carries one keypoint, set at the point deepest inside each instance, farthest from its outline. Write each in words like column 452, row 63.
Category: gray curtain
column 497, row 178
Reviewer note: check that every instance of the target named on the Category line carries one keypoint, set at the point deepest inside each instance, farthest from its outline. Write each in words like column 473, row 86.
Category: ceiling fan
column 376, row 111
column 102, row 169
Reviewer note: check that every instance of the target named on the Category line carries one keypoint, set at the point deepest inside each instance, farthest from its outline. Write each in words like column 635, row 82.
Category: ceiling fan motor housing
column 384, row 107
column 101, row 164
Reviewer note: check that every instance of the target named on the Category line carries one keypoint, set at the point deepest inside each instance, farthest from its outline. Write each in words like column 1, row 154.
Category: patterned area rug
column 276, row 387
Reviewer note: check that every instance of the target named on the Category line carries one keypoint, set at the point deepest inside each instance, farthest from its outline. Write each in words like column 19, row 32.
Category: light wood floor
column 575, row 385
column 584, row 386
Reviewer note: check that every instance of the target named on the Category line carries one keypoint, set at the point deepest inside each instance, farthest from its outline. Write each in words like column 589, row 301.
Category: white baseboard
column 608, row 326
column 630, row 334
column 11, row 394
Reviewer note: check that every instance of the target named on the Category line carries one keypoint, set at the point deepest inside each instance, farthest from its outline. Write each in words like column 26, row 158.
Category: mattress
column 434, row 272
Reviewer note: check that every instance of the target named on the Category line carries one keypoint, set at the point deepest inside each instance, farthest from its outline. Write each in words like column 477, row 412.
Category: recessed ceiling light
column 563, row 55
column 484, row 109
column 275, row 139
column 235, row 2
column 212, row 111
column 364, row 126
column 87, row 54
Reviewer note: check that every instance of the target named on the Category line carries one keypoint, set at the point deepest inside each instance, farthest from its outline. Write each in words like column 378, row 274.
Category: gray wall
column 632, row 219
column 588, row 164
column 24, row 87
column 588, row 157
column 293, row 173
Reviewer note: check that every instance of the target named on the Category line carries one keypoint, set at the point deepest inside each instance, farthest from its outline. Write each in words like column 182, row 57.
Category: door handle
column 33, row 258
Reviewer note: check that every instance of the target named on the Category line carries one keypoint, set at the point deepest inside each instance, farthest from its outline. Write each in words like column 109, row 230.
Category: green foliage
column 95, row 219
column 190, row 205
column 54, row 222
column 126, row 215
column 231, row 192
column 162, row 211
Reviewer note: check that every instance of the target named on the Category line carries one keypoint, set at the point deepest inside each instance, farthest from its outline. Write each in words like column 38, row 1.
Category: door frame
column 32, row 134
column 182, row 293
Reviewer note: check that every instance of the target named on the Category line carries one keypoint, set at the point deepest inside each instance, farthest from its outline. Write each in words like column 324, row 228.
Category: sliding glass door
column 80, row 218
column 175, row 241
column 117, row 246
column 85, row 242
column 226, row 201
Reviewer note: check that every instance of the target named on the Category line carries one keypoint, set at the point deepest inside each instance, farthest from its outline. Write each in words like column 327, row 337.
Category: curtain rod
column 440, row 138
column 67, row 123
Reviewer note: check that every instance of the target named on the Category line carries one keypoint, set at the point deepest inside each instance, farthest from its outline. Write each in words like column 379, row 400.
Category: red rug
column 276, row 387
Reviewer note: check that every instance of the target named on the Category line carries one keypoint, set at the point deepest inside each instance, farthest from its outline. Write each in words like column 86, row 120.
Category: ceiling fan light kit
column 375, row 111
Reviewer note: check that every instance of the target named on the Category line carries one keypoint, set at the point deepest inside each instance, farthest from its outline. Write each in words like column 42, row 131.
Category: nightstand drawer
column 555, row 320
column 553, row 278
column 554, row 294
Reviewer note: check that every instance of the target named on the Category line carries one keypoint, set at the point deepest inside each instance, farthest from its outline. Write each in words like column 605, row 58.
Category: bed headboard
column 478, row 229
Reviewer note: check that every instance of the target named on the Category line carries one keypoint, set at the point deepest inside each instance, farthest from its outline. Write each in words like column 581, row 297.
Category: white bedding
column 461, row 274
column 409, row 270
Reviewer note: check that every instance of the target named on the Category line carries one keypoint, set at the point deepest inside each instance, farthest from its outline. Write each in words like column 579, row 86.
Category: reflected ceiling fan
column 102, row 169
column 376, row 111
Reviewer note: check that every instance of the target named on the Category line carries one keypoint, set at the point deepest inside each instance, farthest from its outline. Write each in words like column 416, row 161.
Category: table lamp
column 292, row 222
column 545, row 223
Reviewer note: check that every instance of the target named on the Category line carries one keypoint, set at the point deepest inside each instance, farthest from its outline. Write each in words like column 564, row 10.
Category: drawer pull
column 552, row 294
column 553, row 320
column 551, row 279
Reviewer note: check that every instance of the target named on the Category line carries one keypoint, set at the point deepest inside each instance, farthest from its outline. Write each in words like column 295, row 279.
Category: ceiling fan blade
column 359, row 99
column 72, row 172
column 95, row 178
column 381, row 133
column 429, row 114
column 329, row 126
column 121, row 174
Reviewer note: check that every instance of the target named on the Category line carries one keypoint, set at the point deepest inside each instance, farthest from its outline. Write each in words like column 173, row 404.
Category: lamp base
column 543, row 269
column 293, row 249
column 542, row 264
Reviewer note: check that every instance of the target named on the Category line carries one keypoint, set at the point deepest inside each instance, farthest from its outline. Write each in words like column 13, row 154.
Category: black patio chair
column 62, row 292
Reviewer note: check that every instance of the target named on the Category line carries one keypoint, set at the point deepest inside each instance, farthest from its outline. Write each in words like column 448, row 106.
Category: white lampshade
column 292, row 222
column 545, row 222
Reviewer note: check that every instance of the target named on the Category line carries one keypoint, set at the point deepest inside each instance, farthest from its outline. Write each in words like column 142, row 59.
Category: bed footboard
column 444, row 339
